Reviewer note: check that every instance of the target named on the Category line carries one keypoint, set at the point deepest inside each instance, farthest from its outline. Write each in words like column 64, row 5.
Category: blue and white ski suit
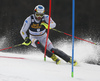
column 36, row 31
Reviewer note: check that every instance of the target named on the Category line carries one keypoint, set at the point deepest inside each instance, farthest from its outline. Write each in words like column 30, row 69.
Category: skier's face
column 38, row 16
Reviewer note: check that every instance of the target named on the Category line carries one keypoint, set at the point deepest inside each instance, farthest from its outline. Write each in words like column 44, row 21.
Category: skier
column 37, row 24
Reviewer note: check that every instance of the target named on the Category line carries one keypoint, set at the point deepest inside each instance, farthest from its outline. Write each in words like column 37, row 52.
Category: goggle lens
column 39, row 15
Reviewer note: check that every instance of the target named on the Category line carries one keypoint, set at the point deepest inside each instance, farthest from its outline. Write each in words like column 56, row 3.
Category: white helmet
column 39, row 9
column 39, row 12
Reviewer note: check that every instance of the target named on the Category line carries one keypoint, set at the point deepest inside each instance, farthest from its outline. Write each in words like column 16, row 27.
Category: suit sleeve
column 52, row 23
column 25, row 27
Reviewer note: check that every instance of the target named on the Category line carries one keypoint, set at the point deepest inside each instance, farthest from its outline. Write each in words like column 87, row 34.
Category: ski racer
column 37, row 24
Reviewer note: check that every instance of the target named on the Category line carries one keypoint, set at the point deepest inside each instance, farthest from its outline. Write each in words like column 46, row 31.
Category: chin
column 39, row 18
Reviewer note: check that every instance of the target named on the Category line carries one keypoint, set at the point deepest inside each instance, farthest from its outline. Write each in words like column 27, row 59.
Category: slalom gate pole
column 10, row 47
column 74, row 36
column 73, row 26
column 48, row 30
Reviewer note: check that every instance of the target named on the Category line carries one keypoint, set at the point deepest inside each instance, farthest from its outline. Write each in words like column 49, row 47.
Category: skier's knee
column 37, row 42
column 54, row 50
column 39, row 45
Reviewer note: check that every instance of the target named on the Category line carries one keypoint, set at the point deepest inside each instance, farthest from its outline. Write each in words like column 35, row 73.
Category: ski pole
column 11, row 47
column 74, row 36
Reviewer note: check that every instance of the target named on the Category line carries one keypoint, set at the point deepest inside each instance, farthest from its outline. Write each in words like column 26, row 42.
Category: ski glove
column 45, row 25
column 27, row 41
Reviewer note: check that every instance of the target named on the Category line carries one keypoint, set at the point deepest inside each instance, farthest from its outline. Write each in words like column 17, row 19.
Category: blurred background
column 14, row 12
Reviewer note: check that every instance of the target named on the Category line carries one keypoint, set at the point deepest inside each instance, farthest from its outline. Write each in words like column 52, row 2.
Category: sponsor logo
column 35, row 26
column 40, row 7
column 23, row 33
column 26, row 21
column 47, row 16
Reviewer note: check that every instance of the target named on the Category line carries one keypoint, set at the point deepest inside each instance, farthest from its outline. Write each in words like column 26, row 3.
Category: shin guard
column 41, row 47
column 61, row 54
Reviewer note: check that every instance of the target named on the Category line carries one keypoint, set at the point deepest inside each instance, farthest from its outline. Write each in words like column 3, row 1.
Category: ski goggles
column 38, row 15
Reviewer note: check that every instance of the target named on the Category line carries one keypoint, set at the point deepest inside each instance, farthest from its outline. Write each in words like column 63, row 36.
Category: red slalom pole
column 48, row 30
column 74, row 36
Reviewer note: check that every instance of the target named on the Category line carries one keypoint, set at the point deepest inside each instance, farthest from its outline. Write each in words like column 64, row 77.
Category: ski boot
column 54, row 58
column 75, row 62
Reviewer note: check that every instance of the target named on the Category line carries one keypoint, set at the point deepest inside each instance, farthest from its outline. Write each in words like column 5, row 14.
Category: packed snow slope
column 32, row 67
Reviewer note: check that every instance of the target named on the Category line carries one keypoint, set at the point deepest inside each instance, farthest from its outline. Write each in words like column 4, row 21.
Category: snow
column 32, row 67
